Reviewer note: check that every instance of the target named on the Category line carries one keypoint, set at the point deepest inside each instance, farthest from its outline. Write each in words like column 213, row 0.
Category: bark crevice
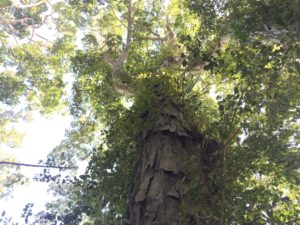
column 155, row 197
column 170, row 152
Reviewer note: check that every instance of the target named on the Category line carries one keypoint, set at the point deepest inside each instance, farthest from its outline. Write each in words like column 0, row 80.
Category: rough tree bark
column 156, row 193
column 165, row 148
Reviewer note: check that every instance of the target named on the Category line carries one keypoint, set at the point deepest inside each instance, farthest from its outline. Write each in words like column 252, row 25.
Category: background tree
column 30, row 75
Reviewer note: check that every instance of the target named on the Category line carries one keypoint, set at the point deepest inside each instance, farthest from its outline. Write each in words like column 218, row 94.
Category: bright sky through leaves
column 211, row 135
column 41, row 136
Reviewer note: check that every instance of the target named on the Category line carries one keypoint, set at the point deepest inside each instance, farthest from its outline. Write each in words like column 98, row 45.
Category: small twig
column 35, row 165
column 34, row 41
column 42, row 37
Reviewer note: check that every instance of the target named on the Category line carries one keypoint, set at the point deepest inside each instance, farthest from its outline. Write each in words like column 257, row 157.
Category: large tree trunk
column 156, row 196
column 170, row 151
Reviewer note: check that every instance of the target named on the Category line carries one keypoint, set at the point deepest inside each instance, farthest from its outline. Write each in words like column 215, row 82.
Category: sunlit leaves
column 242, row 92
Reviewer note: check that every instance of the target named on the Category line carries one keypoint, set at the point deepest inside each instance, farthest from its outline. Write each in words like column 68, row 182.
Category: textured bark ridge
column 170, row 153
column 156, row 193
column 156, row 196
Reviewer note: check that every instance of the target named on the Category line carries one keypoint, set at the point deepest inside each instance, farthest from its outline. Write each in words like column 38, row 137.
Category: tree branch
column 24, row 21
column 169, row 34
column 14, row 21
column 220, row 44
column 35, row 165
column 117, row 64
column 30, row 5
column 42, row 37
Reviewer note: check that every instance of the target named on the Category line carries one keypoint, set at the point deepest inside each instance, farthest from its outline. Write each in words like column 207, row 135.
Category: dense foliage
column 232, row 67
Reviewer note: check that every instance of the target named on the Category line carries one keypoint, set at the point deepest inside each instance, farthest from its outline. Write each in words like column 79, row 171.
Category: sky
column 41, row 136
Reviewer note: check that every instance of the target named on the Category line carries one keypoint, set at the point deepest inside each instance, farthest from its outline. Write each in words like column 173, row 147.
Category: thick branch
column 35, row 165
column 170, row 33
column 118, row 63
column 129, row 24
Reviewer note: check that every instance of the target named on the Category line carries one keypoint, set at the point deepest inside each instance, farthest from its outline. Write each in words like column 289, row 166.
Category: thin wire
column 35, row 165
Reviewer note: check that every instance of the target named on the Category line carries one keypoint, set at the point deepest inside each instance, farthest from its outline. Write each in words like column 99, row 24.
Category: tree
column 187, row 112
column 30, row 77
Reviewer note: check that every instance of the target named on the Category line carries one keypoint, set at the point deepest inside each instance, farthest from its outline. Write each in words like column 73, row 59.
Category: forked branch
column 156, row 37
column 116, row 64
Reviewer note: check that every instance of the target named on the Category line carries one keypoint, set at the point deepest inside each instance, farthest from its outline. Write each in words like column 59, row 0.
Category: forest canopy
column 187, row 112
